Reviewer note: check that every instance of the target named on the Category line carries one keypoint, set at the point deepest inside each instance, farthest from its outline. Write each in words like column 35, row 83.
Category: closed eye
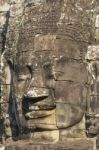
column 48, row 70
column 22, row 77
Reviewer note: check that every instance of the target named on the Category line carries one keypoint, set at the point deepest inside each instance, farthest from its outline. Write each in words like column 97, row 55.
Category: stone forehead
column 48, row 48
column 49, row 41
column 92, row 53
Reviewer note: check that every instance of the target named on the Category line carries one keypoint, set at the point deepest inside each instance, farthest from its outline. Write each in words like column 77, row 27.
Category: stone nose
column 37, row 93
column 37, row 88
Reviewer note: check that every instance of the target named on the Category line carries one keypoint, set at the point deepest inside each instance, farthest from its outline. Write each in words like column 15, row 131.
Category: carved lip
column 47, row 107
column 39, row 114
column 42, row 107
column 35, row 99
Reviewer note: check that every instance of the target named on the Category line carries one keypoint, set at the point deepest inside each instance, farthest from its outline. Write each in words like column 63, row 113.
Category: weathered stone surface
column 46, row 42
column 69, row 144
column 67, row 119
column 37, row 93
column 97, row 35
column 97, row 142
column 73, row 50
column 44, row 123
column 92, row 119
column 77, row 96
column 70, row 70
column 4, row 6
column 93, row 53
column 2, row 19
column 77, row 131
column 97, row 21
column 45, row 136
column 49, row 100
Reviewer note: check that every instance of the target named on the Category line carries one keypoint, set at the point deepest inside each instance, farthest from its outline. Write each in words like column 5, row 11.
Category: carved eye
column 22, row 77
column 22, row 72
column 47, row 65
column 62, row 59
column 48, row 69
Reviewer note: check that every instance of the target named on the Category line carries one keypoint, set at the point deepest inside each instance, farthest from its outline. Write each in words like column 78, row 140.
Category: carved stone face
column 39, row 95
column 34, row 88
column 49, row 86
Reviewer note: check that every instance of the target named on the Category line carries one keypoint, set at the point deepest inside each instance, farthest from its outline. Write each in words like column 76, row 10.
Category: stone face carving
column 49, row 97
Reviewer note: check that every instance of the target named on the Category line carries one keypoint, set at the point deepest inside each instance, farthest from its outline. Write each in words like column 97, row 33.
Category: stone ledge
column 69, row 144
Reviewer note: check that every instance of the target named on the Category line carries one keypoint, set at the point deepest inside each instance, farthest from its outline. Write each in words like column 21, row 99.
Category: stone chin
column 48, row 137
column 68, row 115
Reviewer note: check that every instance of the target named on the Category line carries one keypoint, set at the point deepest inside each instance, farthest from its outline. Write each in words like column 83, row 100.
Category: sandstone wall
column 58, row 41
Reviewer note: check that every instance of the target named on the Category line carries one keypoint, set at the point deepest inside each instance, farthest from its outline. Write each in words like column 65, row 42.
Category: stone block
column 45, row 136
column 24, row 38
column 2, row 19
column 68, row 115
column 76, row 131
column 16, row 9
column 44, row 123
column 60, row 44
column 92, row 53
column 97, row 35
column 97, row 21
column 69, row 144
column 24, row 58
column 44, row 42
column 97, row 142
column 69, row 48
column 5, row 6
column 70, row 93
column 70, row 70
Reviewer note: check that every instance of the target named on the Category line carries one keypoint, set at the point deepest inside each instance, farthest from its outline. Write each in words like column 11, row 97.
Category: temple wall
column 49, row 74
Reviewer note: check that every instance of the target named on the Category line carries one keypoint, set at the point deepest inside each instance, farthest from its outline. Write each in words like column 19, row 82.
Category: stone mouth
column 47, row 107
column 35, row 99
column 37, row 107
column 42, row 106
column 39, row 114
